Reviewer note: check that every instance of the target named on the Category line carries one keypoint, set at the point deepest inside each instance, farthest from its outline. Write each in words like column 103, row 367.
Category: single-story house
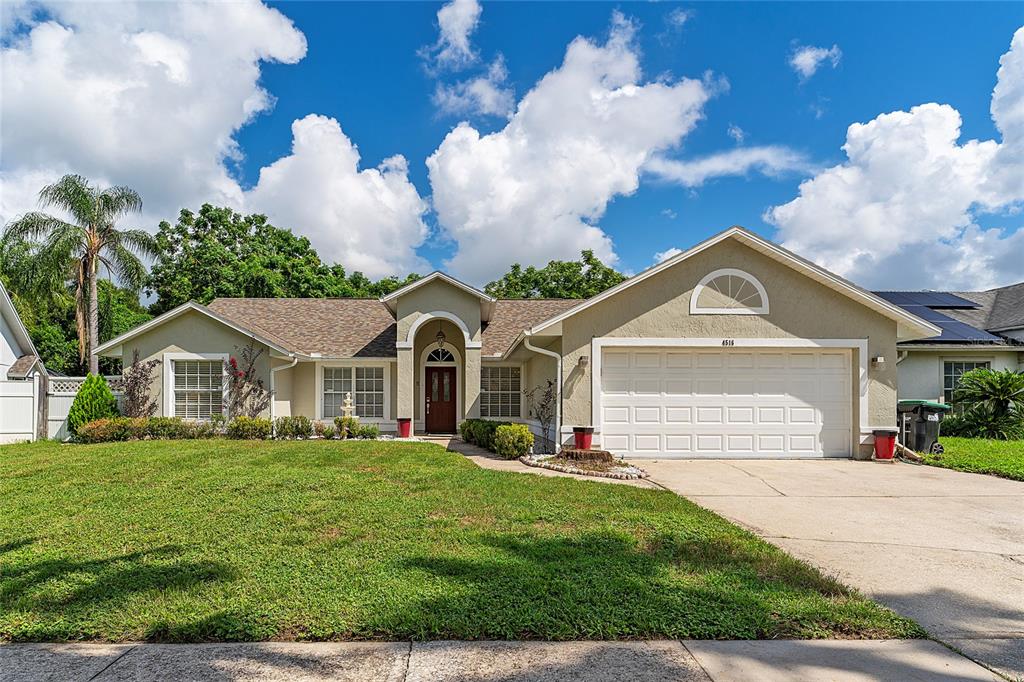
column 22, row 377
column 979, row 329
column 733, row 348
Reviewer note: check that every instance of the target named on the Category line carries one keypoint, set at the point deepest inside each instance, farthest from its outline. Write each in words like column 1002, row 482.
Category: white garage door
column 770, row 403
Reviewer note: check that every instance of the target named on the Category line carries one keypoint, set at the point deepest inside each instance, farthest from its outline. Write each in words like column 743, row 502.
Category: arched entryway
column 440, row 395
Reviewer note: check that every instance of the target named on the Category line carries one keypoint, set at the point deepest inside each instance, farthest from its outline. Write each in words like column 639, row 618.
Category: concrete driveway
column 942, row 547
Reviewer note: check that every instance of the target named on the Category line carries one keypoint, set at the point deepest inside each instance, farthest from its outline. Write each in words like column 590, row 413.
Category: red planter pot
column 404, row 427
column 583, row 437
column 885, row 444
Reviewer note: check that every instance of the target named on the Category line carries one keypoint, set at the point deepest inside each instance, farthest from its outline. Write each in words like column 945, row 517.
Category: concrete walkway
column 661, row 661
column 942, row 547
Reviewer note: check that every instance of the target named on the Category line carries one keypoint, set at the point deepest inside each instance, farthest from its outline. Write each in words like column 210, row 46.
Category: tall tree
column 558, row 279
column 218, row 252
column 59, row 252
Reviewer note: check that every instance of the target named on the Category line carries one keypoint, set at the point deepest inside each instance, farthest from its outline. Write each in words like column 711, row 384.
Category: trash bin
column 919, row 422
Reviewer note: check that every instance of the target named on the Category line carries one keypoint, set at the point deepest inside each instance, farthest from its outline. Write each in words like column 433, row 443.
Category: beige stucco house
column 734, row 348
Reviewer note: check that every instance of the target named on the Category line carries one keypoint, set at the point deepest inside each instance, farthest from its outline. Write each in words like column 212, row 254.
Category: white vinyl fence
column 18, row 415
column 61, row 394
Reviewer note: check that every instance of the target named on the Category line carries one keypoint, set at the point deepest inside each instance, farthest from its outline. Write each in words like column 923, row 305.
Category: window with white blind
column 366, row 384
column 500, row 391
column 198, row 388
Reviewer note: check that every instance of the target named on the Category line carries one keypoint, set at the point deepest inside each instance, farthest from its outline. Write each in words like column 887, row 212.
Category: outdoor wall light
column 583, row 361
column 878, row 360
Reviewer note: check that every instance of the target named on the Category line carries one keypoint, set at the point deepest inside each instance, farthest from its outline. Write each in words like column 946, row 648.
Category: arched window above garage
column 729, row 292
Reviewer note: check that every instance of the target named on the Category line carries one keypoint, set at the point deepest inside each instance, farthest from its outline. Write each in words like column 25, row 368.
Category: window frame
column 351, row 365
column 168, row 399
column 977, row 362
column 695, row 309
column 522, row 380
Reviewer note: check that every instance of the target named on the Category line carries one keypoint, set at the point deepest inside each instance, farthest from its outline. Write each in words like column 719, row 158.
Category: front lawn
column 981, row 456
column 221, row 540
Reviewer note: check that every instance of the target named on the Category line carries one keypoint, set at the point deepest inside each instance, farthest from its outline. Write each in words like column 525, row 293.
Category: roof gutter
column 558, row 384
column 273, row 390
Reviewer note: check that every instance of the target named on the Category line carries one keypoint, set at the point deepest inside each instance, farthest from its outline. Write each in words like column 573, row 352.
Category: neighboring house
column 979, row 329
column 734, row 348
column 22, row 375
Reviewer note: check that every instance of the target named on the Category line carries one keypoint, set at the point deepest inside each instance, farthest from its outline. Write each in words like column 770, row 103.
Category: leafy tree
column 138, row 380
column 558, row 279
column 218, row 252
column 57, row 252
column 94, row 400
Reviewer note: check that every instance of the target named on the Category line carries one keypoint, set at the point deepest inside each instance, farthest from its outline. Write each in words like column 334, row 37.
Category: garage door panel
column 727, row 403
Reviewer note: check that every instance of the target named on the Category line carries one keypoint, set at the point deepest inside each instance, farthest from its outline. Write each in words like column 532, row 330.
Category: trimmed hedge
column 114, row 429
column 293, row 427
column 480, row 432
column 249, row 428
column 93, row 401
column 512, row 441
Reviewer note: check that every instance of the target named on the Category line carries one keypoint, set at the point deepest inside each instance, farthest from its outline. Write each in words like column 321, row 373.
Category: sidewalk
column 661, row 661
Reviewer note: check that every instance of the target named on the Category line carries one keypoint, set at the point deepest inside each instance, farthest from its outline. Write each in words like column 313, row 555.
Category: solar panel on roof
column 933, row 299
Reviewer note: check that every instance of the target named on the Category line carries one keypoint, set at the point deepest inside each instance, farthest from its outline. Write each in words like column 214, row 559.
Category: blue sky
column 373, row 69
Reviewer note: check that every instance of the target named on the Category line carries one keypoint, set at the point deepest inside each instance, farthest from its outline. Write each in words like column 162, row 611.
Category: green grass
column 982, row 456
column 220, row 540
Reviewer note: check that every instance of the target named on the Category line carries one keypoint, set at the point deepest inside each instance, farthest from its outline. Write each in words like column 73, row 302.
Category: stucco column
column 406, row 383
column 471, row 397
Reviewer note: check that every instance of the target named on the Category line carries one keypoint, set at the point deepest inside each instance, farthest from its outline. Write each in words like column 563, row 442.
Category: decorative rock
column 624, row 473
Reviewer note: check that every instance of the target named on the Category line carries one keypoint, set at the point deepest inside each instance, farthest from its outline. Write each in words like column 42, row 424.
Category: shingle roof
column 1003, row 308
column 360, row 327
column 513, row 316
column 21, row 367
column 333, row 327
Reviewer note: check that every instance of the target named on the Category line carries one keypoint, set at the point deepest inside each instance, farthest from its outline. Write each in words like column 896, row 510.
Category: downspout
column 273, row 391
column 558, row 385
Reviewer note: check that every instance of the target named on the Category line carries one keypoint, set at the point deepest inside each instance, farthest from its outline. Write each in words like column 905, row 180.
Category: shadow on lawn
column 601, row 585
column 60, row 591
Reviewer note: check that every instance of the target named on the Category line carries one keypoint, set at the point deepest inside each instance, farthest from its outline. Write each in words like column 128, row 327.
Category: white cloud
column 148, row 95
column 662, row 256
column 736, row 133
column 151, row 95
column 674, row 21
column 901, row 210
column 486, row 94
column 806, row 59
column 368, row 219
column 768, row 160
column 456, row 23
column 534, row 190
column 669, row 213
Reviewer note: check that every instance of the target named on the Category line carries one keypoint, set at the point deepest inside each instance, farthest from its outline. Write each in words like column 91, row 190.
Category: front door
column 440, row 403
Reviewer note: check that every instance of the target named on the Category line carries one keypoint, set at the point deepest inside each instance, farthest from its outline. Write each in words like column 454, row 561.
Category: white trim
column 168, row 383
column 598, row 344
column 970, row 347
column 424, row 318
column 460, row 386
column 733, row 272
column 923, row 328
column 181, row 309
column 19, row 330
column 318, row 375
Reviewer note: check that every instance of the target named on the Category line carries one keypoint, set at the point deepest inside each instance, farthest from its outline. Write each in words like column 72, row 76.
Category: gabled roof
column 23, row 367
column 486, row 302
column 1003, row 308
column 21, row 335
column 969, row 317
column 114, row 345
column 909, row 326
column 512, row 316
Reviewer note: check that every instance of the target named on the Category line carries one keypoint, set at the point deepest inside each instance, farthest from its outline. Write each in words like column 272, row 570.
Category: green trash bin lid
column 927, row 403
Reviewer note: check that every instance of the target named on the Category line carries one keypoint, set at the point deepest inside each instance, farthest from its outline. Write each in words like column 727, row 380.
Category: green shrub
column 112, row 429
column 512, row 441
column 293, row 427
column 366, row 431
column 982, row 421
column 93, row 401
column 249, row 428
column 346, row 425
column 169, row 428
column 325, row 430
column 480, row 432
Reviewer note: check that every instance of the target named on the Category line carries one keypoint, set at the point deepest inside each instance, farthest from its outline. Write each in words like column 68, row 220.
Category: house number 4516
column 728, row 342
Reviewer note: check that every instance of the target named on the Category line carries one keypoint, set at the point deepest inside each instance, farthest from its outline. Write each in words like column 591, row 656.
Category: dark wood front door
column 440, row 403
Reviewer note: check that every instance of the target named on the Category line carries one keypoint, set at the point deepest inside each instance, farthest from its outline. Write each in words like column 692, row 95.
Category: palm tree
column 72, row 252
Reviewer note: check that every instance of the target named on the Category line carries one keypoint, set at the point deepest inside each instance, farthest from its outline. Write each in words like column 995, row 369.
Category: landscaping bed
column 218, row 540
column 981, row 456
column 598, row 463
